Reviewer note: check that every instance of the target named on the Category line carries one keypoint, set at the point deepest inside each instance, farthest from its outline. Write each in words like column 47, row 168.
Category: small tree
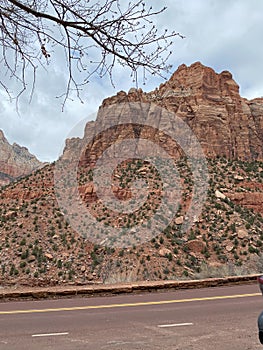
column 95, row 36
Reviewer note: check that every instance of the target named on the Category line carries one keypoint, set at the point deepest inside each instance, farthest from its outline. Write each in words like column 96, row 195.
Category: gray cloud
column 223, row 34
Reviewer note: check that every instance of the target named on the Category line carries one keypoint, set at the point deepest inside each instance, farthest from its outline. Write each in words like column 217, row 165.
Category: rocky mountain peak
column 15, row 161
column 225, row 123
column 198, row 79
column 2, row 136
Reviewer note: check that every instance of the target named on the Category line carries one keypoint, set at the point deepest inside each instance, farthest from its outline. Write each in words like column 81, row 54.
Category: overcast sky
column 222, row 34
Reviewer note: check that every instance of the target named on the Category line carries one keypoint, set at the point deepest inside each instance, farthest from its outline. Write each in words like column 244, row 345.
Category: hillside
column 41, row 244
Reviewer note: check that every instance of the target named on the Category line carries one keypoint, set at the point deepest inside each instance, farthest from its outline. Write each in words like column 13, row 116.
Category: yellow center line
column 147, row 303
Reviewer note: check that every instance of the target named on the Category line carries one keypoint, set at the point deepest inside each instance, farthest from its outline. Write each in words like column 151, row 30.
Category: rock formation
column 15, row 161
column 41, row 243
column 224, row 123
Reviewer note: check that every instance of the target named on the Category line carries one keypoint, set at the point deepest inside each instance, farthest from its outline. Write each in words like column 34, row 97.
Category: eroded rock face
column 224, row 123
column 252, row 200
column 15, row 161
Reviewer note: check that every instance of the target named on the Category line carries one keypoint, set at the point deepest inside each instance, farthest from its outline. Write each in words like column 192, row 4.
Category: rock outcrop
column 15, row 161
column 224, row 123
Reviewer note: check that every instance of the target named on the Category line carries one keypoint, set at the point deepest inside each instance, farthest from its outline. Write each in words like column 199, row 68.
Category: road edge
column 20, row 292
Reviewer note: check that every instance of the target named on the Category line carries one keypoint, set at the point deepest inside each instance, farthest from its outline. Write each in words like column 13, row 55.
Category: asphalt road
column 206, row 319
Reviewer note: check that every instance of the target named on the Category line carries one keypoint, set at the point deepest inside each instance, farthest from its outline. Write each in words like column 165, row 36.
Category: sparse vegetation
column 38, row 243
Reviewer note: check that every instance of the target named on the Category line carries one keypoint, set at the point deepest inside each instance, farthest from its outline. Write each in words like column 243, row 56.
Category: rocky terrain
column 40, row 244
column 225, row 123
column 15, row 161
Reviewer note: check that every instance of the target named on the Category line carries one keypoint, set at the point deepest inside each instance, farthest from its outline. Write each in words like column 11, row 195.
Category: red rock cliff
column 15, row 161
column 225, row 123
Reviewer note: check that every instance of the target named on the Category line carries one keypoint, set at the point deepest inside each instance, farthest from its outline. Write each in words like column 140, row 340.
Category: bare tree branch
column 96, row 36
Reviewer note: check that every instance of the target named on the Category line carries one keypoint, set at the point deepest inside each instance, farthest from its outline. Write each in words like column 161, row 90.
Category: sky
column 222, row 34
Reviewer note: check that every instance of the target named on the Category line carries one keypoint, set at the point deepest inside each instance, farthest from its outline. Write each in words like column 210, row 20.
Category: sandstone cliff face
column 15, row 161
column 224, row 123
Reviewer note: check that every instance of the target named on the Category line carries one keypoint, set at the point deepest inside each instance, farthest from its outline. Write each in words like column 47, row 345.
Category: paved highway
column 205, row 319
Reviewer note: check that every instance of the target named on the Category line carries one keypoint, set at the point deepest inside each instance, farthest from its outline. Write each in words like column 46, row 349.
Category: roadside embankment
column 20, row 292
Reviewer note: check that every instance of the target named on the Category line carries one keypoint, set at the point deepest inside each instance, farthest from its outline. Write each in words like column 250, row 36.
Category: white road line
column 174, row 325
column 49, row 334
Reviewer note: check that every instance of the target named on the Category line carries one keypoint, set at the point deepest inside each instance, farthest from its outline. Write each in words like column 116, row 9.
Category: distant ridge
column 15, row 161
